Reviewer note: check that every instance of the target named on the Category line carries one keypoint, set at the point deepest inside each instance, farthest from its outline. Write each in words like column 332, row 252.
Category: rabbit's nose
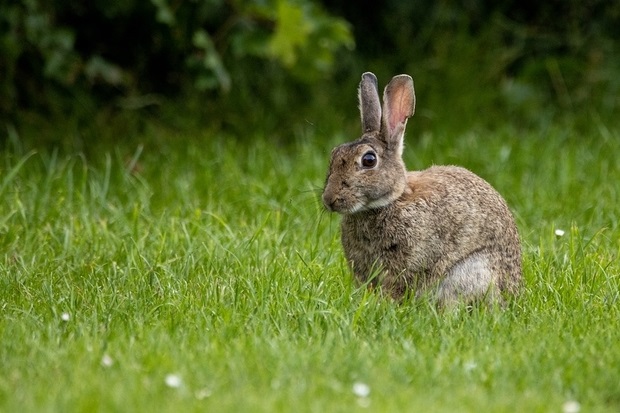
column 330, row 202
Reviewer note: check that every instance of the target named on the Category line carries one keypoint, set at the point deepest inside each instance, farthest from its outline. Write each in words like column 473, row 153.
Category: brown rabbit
column 442, row 231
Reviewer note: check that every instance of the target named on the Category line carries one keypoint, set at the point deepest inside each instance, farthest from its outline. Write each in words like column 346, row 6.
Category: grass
column 201, row 274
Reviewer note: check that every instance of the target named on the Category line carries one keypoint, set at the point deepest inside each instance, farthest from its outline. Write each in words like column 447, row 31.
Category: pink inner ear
column 400, row 108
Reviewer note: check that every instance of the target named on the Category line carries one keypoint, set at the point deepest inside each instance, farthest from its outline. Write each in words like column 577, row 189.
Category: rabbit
column 442, row 232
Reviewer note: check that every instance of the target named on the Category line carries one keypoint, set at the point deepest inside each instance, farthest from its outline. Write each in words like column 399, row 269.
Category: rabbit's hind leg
column 469, row 280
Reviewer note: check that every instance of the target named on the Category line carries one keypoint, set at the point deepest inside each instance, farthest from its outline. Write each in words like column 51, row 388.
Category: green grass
column 211, row 260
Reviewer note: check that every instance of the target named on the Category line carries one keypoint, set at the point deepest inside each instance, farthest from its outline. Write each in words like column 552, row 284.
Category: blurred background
column 280, row 68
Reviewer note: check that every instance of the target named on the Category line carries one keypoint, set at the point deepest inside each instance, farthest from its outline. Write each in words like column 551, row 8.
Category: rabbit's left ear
column 398, row 106
column 370, row 107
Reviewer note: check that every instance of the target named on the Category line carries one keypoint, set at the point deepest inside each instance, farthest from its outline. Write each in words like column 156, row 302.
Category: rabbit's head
column 369, row 172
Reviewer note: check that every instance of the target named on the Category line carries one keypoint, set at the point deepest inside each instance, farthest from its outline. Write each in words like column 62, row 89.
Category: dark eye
column 369, row 160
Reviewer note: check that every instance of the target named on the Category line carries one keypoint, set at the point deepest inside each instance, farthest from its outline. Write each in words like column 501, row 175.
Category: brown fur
column 443, row 231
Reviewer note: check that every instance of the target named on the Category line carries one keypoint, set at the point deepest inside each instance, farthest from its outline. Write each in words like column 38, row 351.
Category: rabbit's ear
column 398, row 106
column 370, row 107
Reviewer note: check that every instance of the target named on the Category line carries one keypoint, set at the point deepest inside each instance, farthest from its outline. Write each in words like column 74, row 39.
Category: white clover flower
column 571, row 406
column 173, row 380
column 469, row 366
column 559, row 233
column 361, row 389
column 106, row 361
column 65, row 316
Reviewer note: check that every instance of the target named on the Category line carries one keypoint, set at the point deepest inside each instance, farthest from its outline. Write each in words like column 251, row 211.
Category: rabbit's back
column 446, row 216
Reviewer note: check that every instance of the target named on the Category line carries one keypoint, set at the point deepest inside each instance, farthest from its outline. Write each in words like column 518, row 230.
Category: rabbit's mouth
column 346, row 207
column 339, row 205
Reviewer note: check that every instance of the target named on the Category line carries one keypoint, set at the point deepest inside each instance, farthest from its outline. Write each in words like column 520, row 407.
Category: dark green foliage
column 280, row 67
column 521, row 61
column 126, row 49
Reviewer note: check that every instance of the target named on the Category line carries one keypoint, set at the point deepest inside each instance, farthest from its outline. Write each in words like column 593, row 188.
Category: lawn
column 198, row 272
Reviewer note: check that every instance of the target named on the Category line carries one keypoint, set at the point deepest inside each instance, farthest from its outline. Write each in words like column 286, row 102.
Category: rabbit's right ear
column 398, row 106
column 370, row 107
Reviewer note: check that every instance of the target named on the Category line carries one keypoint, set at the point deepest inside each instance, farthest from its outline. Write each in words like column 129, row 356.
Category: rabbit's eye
column 369, row 160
